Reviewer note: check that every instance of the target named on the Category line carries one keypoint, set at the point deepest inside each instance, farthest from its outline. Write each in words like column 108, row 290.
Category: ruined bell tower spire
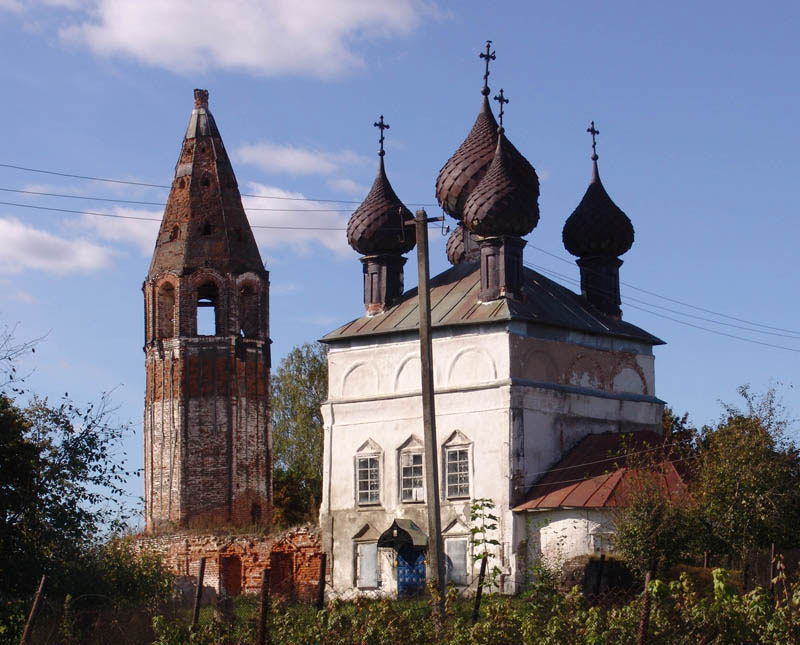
column 207, row 420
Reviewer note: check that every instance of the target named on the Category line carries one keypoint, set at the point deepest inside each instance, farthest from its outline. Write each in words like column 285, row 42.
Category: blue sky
column 696, row 104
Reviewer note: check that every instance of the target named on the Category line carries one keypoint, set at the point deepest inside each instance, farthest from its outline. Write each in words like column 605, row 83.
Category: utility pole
column 435, row 546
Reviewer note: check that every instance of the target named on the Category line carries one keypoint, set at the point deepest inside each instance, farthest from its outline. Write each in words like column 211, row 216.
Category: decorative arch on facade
column 585, row 371
column 249, row 297
column 630, row 378
column 165, row 306
column 407, row 377
column 360, row 380
column 538, row 365
column 471, row 365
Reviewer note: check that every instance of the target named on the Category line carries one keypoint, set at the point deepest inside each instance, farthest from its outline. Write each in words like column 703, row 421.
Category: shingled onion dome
column 598, row 232
column 500, row 210
column 464, row 170
column 376, row 226
column 462, row 246
column 505, row 202
column 379, row 229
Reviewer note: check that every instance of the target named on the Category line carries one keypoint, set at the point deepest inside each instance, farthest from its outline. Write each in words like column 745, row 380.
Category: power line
column 683, row 322
column 139, row 183
column 157, row 219
column 629, row 299
column 145, row 203
column 677, row 302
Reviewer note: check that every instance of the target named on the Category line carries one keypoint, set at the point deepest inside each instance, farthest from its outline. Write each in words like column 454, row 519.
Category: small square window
column 368, row 480
column 411, row 477
column 457, row 472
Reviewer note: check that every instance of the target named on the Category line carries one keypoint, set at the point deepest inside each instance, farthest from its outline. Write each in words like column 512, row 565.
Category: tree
column 299, row 386
column 747, row 480
column 60, row 488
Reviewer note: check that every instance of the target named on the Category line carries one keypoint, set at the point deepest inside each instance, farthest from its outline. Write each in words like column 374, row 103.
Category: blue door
column 410, row 571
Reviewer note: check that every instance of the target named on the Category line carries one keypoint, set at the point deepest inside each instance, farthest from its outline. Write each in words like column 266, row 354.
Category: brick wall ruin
column 234, row 563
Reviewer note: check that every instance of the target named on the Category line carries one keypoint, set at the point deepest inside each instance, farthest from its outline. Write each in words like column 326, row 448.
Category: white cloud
column 24, row 247
column 267, row 37
column 294, row 160
column 139, row 233
column 322, row 227
column 348, row 186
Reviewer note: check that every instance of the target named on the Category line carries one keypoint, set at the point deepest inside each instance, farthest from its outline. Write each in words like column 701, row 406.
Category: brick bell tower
column 207, row 441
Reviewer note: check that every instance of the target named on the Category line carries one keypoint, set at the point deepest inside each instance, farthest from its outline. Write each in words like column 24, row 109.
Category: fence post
column 323, row 561
column 705, row 559
column 476, row 610
column 599, row 579
column 263, row 634
column 644, row 619
column 32, row 615
column 198, row 595
column 771, row 569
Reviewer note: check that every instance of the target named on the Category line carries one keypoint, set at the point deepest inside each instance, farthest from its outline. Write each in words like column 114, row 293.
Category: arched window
column 207, row 301
column 248, row 311
column 165, row 311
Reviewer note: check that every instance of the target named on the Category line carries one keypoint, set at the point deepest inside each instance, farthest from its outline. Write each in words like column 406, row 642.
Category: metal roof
column 454, row 301
column 594, row 474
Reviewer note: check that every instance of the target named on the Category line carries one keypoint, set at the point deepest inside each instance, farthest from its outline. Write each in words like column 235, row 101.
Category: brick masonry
column 207, row 439
column 234, row 563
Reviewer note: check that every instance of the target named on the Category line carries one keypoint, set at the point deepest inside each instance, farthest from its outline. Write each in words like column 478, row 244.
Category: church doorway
column 410, row 571
column 230, row 574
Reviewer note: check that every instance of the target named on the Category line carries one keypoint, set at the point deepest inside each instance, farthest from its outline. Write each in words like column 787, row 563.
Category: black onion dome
column 456, row 250
column 377, row 225
column 505, row 202
column 597, row 226
column 464, row 170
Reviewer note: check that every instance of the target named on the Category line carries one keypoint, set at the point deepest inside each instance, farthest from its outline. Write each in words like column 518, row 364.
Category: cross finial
column 383, row 126
column 501, row 99
column 594, row 132
column 489, row 55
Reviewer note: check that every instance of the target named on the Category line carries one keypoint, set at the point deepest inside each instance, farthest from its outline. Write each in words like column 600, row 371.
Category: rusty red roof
column 594, row 474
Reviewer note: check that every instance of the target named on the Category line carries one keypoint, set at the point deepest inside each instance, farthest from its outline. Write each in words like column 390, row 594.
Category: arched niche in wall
column 538, row 365
column 586, row 372
column 471, row 366
column 629, row 380
column 407, row 378
column 249, row 297
column 165, row 310
column 360, row 380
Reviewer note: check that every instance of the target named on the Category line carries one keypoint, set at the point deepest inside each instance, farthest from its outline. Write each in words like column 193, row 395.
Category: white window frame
column 357, row 559
column 417, row 493
column 467, row 461
column 372, row 455
column 467, row 559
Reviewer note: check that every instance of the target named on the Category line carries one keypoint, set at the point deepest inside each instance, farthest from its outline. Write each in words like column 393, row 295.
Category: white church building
column 525, row 371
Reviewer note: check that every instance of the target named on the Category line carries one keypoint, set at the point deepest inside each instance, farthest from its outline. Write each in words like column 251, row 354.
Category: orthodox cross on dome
column 501, row 100
column 594, row 132
column 383, row 126
column 489, row 55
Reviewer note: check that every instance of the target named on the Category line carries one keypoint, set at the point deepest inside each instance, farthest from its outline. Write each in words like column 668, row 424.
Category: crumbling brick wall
column 235, row 562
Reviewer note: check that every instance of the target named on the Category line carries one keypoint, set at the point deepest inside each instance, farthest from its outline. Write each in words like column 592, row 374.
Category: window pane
column 456, row 557
column 411, row 477
column 367, row 565
column 368, row 480
column 458, row 472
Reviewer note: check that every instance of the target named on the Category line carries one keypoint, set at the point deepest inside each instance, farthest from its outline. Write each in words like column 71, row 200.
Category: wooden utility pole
column 435, row 545
column 263, row 632
column 198, row 596
column 26, row 633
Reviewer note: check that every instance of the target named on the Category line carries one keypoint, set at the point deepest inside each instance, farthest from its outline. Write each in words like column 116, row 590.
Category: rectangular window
column 458, row 472
column 455, row 550
column 411, row 477
column 367, row 566
column 368, row 480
